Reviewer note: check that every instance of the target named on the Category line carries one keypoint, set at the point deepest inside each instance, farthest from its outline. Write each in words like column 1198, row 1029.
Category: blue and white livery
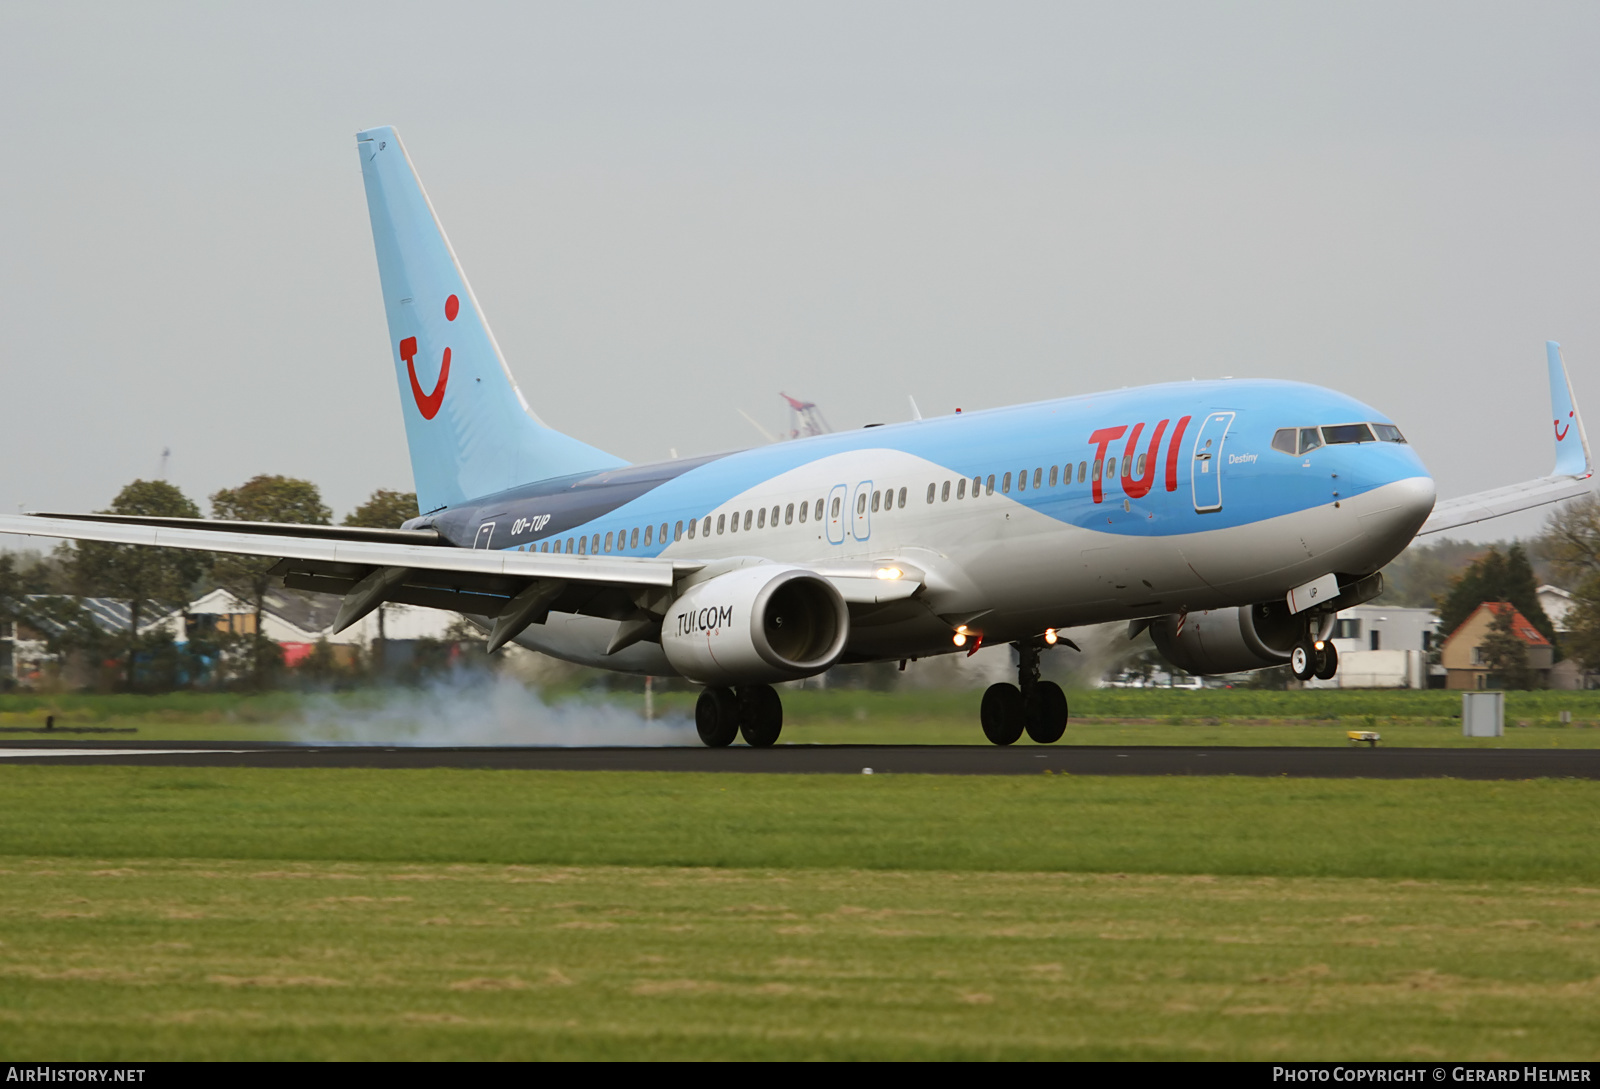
column 1232, row 519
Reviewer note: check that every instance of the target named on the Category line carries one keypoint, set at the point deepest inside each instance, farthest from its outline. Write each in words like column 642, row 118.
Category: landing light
column 890, row 573
column 1318, row 644
column 959, row 638
column 1050, row 636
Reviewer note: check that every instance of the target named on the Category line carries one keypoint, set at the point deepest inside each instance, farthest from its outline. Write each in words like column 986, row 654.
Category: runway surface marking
column 6, row 754
column 1323, row 763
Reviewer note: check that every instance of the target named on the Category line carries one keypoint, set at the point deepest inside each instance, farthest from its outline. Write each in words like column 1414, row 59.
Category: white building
column 1383, row 647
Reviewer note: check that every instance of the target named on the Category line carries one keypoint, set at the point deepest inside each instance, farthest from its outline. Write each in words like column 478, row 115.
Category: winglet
column 1572, row 444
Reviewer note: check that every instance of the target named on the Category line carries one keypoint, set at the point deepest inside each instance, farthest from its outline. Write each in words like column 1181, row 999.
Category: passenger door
column 1206, row 462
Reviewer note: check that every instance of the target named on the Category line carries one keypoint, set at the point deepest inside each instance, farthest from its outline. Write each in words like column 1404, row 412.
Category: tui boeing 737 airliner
column 1232, row 519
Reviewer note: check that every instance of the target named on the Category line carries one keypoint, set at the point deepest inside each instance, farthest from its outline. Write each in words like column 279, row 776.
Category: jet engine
column 756, row 625
column 1229, row 640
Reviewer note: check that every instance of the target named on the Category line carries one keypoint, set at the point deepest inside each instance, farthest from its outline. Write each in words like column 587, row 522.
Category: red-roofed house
column 1462, row 651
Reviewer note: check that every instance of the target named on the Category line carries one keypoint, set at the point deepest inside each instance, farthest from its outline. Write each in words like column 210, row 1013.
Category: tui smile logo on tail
column 1561, row 432
column 428, row 403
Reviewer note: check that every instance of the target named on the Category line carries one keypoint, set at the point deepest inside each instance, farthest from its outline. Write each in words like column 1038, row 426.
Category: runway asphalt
column 1330, row 763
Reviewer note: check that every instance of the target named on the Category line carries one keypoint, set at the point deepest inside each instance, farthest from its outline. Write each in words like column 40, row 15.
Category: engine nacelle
column 756, row 625
column 1229, row 640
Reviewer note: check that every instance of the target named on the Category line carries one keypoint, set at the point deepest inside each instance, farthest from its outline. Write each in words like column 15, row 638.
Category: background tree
column 262, row 499
column 1506, row 654
column 137, row 575
column 383, row 509
column 1571, row 539
column 1496, row 576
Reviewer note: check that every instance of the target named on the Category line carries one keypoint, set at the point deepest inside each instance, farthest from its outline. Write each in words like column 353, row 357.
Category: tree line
column 46, row 595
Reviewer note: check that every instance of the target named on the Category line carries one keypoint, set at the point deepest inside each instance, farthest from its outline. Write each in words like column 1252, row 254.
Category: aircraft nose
column 1405, row 506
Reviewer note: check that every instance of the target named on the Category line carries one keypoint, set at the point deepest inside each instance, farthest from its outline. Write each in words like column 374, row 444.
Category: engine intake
column 756, row 625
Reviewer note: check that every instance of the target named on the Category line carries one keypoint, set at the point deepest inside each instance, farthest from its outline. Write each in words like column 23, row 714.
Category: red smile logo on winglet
column 428, row 403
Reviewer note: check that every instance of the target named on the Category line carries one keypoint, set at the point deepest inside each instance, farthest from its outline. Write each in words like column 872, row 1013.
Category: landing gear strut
column 1038, row 707
column 755, row 711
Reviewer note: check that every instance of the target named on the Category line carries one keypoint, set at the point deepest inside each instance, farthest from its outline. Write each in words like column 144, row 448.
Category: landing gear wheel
column 760, row 715
column 716, row 717
column 1327, row 661
column 1303, row 660
column 1002, row 713
column 1046, row 717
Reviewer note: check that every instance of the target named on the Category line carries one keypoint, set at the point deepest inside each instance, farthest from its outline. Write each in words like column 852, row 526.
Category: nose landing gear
column 1035, row 706
column 1314, row 656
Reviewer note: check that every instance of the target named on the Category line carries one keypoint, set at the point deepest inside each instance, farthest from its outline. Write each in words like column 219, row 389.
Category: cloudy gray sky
column 672, row 211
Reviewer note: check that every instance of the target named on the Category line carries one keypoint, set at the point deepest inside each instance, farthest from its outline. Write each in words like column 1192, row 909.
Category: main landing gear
column 753, row 710
column 1031, row 705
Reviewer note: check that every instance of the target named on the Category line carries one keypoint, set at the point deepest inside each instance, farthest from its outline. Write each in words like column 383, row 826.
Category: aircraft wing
column 370, row 567
column 1571, row 477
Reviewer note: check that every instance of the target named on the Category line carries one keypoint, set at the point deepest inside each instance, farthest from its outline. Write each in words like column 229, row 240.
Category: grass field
column 229, row 913
column 835, row 716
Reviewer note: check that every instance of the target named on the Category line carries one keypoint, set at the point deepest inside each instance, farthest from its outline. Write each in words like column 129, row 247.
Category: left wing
column 514, row 589
column 1571, row 477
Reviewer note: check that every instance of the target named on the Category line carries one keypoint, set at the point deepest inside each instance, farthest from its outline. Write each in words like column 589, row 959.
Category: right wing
column 1570, row 478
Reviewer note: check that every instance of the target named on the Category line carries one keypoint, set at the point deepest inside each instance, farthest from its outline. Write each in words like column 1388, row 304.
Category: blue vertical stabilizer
column 1572, row 445
column 469, row 428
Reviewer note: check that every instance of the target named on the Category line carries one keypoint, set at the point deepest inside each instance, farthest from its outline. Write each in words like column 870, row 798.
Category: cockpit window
column 1342, row 433
column 1310, row 439
column 1388, row 433
column 1284, row 439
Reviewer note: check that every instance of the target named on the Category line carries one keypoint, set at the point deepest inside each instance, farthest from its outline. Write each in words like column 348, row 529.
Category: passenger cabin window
column 677, row 530
column 988, row 485
column 805, row 508
column 1022, row 481
column 977, row 486
column 817, row 513
column 583, row 546
column 931, row 488
column 835, row 512
column 569, row 546
column 902, row 503
column 761, row 518
column 1097, row 467
column 663, row 537
column 608, row 542
column 693, row 523
column 1111, row 468
column 1083, row 469
column 1388, row 433
column 594, row 545
column 749, row 518
column 546, row 546
column 788, row 515
column 1139, row 469
column 1038, row 477
column 705, row 527
column 876, row 496
column 1284, row 439
column 775, row 510
column 734, row 528
column 1005, row 485
column 961, row 488
column 861, row 503
column 1053, row 470
column 721, row 521
column 633, row 538
column 944, row 493
column 1344, row 433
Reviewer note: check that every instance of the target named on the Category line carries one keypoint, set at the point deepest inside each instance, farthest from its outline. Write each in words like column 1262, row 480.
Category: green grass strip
column 1536, row 830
